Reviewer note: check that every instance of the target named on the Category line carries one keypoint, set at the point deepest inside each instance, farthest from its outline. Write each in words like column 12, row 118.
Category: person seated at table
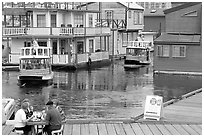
column 56, row 105
column 53, row 118
column 29, row 111
column 20, row 120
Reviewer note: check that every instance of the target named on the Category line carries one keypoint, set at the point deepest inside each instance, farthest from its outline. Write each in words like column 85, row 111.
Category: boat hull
column 132, row 64
column 35, row 80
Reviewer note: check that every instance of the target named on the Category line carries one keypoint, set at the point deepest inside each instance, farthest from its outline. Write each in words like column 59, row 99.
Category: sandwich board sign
column 153, row 107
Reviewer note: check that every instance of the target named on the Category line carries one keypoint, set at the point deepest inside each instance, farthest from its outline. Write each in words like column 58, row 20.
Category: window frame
column 91, row 45
column 109, row 14
column 41, row 24
column 90, row 17
column 177, row 54
column 53, row 20
column 129, row 14
column 135, row 17
column 160, row 48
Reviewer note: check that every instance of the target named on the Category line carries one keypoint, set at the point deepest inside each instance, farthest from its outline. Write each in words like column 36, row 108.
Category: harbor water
column 106, row 92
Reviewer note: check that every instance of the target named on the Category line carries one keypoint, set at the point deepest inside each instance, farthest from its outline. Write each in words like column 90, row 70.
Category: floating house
column 70, row 31
column 126, row 21
column 179, row 49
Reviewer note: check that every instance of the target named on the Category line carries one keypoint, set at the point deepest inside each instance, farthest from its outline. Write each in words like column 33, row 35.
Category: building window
column 91, row 46
column 109, row 14
column 129, row 14
column 142, row 4
column 191, row 14
column 163, row 5
column 135, row 18
column 152, row 5
column 78, row 20
column 80, row 47
column 163, row 50
column 27, row 44
column 42, row 43
column 157, row 5
column 41, row 21
column 90, row 20
column 53, row 20
column 179, row 51
column 140, row 18
column 146, row 5
column 54, row 47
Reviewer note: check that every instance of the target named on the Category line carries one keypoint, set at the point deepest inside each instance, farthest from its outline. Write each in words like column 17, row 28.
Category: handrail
column 54, row 31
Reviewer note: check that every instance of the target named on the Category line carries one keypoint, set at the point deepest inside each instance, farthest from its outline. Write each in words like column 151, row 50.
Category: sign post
column 153, row 107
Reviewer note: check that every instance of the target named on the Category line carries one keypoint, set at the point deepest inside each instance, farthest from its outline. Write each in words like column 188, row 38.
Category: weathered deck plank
column 163, row 129
column 76, row 129
column 154, row 129
column 196, row 128
column 137, row 129
column 84, row 129
column 102, row 129
column 180, row 129
column 93, row 129
column 145, row 129
column 128, row 129
column 67, row 129
column 110, row 129
column 119, row 129
column 189, row 129
column 171, row 129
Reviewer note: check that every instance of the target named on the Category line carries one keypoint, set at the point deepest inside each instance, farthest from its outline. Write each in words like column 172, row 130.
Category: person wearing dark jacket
column 53, row 118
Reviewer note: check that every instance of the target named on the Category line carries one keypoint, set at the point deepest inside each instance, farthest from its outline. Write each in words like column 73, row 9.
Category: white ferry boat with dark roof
column 137, row 54
column 35, row 66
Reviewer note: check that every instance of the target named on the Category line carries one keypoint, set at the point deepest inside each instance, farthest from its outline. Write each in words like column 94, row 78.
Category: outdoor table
column 37, row 121
column 38, row 124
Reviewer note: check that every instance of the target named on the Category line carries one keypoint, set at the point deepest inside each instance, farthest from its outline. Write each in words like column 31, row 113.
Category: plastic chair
column 58, row 132
column 19, row 132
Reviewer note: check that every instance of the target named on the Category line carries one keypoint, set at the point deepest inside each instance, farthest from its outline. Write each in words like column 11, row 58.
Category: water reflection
column 174, row 86
column 107, row 92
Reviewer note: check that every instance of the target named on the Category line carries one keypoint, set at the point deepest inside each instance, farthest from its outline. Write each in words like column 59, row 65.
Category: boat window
column 34, row 64
column 136, row 52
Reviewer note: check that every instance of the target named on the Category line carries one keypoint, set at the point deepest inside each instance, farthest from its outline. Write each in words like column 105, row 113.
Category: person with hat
column 53, row 118
column 56, row 105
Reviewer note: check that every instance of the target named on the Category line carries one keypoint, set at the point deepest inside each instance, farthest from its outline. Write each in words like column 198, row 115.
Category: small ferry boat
column 137, row 54
column 35, row 66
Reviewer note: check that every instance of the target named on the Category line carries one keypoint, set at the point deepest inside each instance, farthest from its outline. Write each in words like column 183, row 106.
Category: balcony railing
column 54, row 31
column 13, row 31
column 137, row 44
column 45, row 5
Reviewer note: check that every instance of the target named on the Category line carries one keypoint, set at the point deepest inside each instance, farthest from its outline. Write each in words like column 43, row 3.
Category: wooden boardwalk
column 183, row 117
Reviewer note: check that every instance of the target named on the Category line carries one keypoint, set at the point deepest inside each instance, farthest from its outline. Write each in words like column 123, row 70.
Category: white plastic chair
column 58, row 132
column 19, row 132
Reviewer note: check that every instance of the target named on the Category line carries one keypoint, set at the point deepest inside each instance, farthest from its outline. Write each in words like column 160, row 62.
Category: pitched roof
column 132, row 5
column 187, row 4
column 178, row 39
